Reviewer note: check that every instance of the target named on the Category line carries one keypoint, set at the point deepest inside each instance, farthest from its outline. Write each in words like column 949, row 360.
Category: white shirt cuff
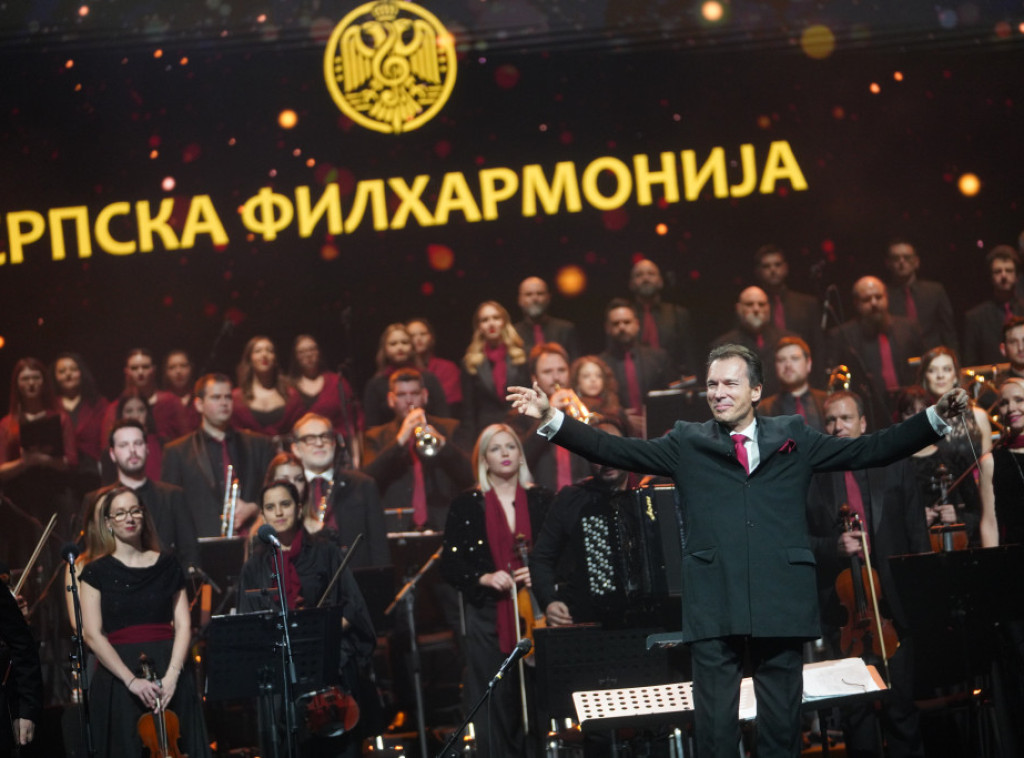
column 939, row 424
column 551, row 428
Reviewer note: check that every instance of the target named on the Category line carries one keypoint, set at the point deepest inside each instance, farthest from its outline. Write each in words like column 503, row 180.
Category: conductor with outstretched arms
column 747, row 567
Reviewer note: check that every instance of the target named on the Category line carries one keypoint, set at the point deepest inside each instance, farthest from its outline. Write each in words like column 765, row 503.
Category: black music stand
column 243, row 660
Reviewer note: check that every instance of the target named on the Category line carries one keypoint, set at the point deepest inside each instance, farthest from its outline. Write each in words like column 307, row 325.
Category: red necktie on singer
column 800, row 410
column 649, row 335
column 632, row 383
column 739, row 442
column 419, row 488
column 538, row 335
column 855, row 500
column 911, row 303
column 889, row 376
column 1007, row 310
column 778, row 314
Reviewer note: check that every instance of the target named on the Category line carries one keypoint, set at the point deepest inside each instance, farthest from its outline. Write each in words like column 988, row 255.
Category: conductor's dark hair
column 755, row 371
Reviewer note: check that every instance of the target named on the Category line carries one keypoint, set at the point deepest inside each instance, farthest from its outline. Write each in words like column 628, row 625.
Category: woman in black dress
column 1008, row 460
column 310, row 561
column 481, row 561
column 133, row 603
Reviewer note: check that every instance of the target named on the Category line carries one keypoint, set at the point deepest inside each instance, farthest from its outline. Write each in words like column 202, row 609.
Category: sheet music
column 834, row 678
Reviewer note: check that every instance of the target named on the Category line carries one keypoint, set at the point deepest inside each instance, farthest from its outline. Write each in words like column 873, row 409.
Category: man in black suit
column 755, row 330
column 796, row 396
column 791, row 311
column 983, row 322
column 1012, row 346
column 338, row 497
column 663, row 325
column 748, row 573
column 164, row 502
column 21, row 697
column 638, row 369
column 537, row 327
column 198, row 461
column 407, row 476
column 876, row 346
column 920, row 300
column 889, row 504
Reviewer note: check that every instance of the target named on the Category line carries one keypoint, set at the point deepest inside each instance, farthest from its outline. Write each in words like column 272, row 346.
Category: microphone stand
column 502, row 670
column 288, row 662
column 78, row 662
column 408, row 594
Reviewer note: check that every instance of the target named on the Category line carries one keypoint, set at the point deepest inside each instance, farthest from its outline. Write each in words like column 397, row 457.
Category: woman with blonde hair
column 487, row 529
column 494, row 360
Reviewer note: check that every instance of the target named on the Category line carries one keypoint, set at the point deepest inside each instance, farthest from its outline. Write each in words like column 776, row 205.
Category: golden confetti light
column 969, row 185
column 661, row 229
column 440, row 257
column 571, row 280
column 897, row 75
column 818, row 42
column 712, row 11
column 288, row 119
column 875, row 89
column 2, row 342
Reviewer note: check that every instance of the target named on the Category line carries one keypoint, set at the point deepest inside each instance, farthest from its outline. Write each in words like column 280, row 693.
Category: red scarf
column 502, row 543
column 292, row 584
column 499, row 370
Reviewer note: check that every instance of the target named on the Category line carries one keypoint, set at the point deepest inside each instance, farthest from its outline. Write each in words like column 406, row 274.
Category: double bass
column 866, row 630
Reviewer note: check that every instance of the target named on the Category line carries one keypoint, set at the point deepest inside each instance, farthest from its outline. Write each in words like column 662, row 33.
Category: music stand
column 222, row 558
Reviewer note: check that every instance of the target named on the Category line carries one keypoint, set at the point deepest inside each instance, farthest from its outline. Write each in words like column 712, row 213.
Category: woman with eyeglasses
column 133, row 603
column 310, row 562
column 487, row 531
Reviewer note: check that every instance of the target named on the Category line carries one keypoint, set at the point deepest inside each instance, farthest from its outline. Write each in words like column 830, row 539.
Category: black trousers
column 777, row 664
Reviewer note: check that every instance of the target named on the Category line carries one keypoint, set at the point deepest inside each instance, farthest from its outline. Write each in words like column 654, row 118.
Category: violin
column 159, row 731
column 945, row 538
column 859, row 590
column 530, row 615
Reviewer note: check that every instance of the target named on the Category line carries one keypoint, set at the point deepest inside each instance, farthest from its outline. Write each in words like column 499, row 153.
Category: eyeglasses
column 324, row 438
column 121, row 516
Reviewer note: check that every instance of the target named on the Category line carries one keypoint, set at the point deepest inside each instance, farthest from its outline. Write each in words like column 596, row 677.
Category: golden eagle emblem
column 390, row 66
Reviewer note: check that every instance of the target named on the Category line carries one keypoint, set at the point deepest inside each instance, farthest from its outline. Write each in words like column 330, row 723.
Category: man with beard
column 920, row 300
column 796, row 397
column 1012, row 346
column 165, row 502
column 754, row 330
column 637, row 368
column 537, row 327
column 663, row 325
column 983, row 322
column 876, row 347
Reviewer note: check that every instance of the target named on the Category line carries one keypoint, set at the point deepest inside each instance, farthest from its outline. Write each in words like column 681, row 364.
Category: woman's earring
column 111, row 530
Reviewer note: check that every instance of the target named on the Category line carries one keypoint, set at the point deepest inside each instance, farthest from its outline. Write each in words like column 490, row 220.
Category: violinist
column 889, row 505
column 480, row 561
column 133, row 602
column 310, row 562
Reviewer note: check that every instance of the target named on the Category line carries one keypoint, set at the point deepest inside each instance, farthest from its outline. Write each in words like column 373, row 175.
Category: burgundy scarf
column 499, row 369
column 292, row 584
column 502, row 543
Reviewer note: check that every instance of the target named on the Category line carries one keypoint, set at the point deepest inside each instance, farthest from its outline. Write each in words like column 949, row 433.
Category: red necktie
column 760, row 341
column 800, row 407
column 911, row 305
column 738, row 442
column 632, row 383
column 564, row 467
column 856, row 502
column 892, row 382
column 778, row 314
column 1007, row 310
column 419, row 489
column 649, row 336
column 538, row 335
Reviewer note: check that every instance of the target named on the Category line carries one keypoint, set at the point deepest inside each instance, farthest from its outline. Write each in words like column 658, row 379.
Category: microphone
column 522, row 648
column 268, row 536
column 70, row 552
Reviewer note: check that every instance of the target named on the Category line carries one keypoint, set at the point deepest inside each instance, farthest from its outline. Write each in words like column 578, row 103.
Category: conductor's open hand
column 529, row 401
column 954, row 403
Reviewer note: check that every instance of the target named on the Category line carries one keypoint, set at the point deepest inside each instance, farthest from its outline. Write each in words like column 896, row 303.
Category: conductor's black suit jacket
column 747, row 563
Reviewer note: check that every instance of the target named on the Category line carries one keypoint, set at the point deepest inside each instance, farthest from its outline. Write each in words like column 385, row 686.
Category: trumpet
column 575, row 408
column 227, row 514
column 839, row 379
column 428, row 444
